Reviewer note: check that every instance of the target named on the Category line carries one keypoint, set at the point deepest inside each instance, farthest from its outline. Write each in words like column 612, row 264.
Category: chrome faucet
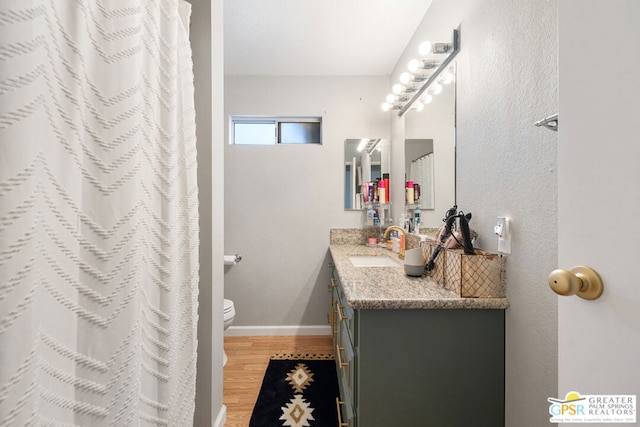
column 403, row 241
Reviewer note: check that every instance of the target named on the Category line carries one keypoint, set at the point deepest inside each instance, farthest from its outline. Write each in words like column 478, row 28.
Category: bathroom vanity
column 411, row 353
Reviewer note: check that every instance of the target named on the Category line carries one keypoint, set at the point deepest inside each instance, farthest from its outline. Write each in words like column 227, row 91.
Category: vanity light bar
column 455, row 48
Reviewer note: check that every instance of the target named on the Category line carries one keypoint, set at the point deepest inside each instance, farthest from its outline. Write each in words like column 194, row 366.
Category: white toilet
column 229, row 314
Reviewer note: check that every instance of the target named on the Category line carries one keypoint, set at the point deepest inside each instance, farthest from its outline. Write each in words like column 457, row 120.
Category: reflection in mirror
column 365, row 160
column 432, row 130
column 418, row 155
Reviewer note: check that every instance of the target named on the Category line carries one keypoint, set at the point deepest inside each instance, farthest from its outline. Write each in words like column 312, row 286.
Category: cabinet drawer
column 346, row 413
column 345, row 313
column 345, row 369
column 343, row 328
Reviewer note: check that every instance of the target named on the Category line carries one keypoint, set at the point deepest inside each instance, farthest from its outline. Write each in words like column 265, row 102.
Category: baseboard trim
column 252, row 331
column 221, row 418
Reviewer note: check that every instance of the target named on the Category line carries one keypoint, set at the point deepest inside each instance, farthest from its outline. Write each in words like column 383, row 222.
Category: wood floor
column 247, row 363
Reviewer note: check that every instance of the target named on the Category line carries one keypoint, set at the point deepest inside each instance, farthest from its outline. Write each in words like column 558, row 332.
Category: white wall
column 282, row 200
column 206, row 40
column 506, row 80
column 218, row 411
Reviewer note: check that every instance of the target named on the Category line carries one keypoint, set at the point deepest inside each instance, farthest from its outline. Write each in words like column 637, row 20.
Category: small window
column 269, row 130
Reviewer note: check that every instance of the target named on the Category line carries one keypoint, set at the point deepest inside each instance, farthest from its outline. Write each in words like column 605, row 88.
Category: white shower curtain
column 421, row 171
column 98, row 213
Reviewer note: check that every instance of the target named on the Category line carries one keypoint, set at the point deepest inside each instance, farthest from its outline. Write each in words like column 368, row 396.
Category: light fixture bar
column 435, row 74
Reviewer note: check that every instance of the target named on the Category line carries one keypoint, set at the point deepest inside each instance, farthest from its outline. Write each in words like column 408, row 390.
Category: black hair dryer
column 450, row 219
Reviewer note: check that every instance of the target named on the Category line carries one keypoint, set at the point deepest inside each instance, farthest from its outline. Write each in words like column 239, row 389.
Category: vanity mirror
column 418, row 164
column 365, row 160
column 430, row 155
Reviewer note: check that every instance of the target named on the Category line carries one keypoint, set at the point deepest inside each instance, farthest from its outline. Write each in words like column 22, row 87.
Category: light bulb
column 425, row 48
column 447, row 77
column 427, row 98
column 391, row 98
column 397, row 88
column 386, row 106
column 437, row 88
column 414, row 65
column 419, row 106
column 405, row 78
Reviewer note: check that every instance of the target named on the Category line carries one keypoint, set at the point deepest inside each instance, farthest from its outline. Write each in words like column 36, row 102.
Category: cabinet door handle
column 340, row 423
column 333, row 283
column 342, row 316
column 340, row 363
column 334, row 329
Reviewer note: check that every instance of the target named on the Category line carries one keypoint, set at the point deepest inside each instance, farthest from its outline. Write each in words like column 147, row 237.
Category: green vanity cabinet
column 418, row 367
column 342, row 327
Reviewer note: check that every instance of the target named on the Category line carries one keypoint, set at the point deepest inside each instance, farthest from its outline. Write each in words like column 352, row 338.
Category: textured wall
column 507, row 166
column 507, row 79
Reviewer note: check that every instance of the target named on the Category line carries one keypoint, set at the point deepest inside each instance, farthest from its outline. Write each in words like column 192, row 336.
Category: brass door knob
column 580, row 280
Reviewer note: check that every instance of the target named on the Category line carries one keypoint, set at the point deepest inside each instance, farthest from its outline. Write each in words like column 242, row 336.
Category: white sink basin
column 373, row 261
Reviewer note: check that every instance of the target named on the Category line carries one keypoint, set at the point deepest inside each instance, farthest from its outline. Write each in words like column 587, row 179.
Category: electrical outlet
column 502, row 230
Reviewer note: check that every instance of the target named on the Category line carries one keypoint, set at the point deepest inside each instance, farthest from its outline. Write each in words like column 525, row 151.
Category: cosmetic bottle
column 385, row 178
column 410, row 192
column 370, row 215
column 382, row 192
column 416, row 220
column 376, row 191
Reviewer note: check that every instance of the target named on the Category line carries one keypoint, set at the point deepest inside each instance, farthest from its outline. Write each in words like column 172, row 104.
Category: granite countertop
column 391, row 288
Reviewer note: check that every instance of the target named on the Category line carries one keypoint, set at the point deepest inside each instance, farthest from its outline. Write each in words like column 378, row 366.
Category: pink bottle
column 382, row 192
column 410, row 192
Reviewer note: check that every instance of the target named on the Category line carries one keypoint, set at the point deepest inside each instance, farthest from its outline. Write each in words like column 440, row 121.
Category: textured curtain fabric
column 98, row 213
column 422, row 173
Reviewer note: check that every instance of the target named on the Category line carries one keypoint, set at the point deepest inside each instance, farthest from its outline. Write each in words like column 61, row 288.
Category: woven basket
column 474, row 276
column 437, row 273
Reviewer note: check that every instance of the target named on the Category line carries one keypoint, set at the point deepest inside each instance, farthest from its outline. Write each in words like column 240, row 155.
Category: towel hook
column 550, row 122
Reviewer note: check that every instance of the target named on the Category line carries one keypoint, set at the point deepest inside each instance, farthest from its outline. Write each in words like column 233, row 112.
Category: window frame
column 276, row 121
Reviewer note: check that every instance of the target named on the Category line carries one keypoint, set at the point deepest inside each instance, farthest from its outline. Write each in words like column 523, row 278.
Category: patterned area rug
column 298, row 390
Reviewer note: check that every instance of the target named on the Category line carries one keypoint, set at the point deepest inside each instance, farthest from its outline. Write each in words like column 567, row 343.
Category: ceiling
column 318, row 37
